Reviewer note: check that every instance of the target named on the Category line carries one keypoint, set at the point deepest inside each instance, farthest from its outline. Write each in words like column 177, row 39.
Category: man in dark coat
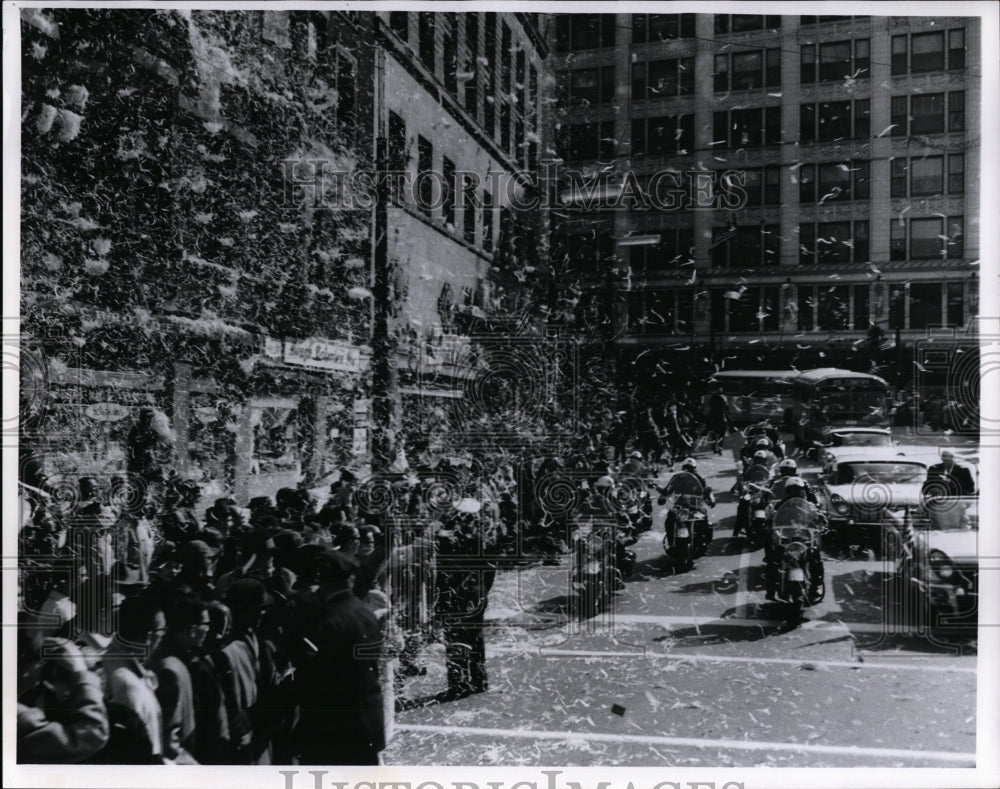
column 341, row 718
column 947, row 478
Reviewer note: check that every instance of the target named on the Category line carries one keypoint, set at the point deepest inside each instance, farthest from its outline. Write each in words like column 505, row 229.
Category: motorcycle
column 794, row 561
column 594, row 574
column 751, row 511
column 635, row 504
column 687, row 529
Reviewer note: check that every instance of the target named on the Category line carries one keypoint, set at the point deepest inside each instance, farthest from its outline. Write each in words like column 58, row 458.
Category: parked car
column 937, row 575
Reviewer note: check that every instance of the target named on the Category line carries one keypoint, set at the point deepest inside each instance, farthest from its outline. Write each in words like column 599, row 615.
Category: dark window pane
column 956, row 111
column 956, row 49
column 772, row 75
column 687, row 25
column 956, row 237
column 638, row 81
column 807, row 60
column 744, row 22
column 834, row 242
column 862, row 57
column 928, row 114
column 834, row 120
column 772, row 185
column 834, row 182
column 861, row 317
column 925, row 238
column 926, row 176
column 807, row 123
column 639, row 137
column 639, row 28
column 834, row 61
column 897, row 307
column 748, row 70
column 899, row 64
column 956, row 173
column 925, row 304
column 834, row 308
column 662, row 78
column 685, row 75
column 807, row 243
column 897, row 182
column 862, row 180
column 926, row 52
column 722, row 23
column 807, row 183
column 956, row 303
column 861, row 249
column 427, row 47
column 607, row 84
column 862, row 119
column 807, row 307
column 721, row 77
column 897, row 240
column 898, row 116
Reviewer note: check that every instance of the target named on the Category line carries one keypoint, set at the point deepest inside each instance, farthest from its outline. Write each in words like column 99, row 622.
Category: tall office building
column 809, row 177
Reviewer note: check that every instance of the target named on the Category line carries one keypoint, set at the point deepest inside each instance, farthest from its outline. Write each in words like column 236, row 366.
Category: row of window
column 510, row 91
column 928, row 176
column 829, row 121
column 809, row 307
column 929, row 238
column 747, row 128
column 931, row 113
column 837, row 60
column 826, row 183
column 663, row 136
column 759, row 68
column 919, row 53
column 428, row 199
column 741, row 23
column 657, row 79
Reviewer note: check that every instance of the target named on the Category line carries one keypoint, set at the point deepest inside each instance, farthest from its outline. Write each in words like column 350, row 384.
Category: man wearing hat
column 197, row 560
column 948, row 478
column 341, row 718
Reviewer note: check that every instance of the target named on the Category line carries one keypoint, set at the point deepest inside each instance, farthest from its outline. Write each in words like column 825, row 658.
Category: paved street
column 698, row 669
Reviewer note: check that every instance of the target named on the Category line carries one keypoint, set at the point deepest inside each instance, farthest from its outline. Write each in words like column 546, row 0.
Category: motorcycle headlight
column 839, row 504
column 796, row 550
column 940, row 565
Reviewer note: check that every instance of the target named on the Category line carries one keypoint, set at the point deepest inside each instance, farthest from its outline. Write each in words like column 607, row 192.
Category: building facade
column 797, row 181
column 171, row 256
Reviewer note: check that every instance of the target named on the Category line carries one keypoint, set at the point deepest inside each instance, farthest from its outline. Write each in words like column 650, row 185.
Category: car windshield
column 949, row 514
column 884, row 472
column 859, row 439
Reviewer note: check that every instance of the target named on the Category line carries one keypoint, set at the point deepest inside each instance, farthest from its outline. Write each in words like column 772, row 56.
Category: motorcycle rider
column 689, row 466
column 794, row 488
column 789, row 469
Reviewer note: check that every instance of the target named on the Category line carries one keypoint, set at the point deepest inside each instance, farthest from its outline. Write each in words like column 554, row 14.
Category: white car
column 857, row 488
column 938, row 571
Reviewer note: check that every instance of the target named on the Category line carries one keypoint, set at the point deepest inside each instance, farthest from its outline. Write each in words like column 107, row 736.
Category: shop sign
column 106, row 412
column 325, row 355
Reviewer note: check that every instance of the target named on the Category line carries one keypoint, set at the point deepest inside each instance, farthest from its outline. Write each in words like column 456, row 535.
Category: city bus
column 755, row 395
column 830, row 397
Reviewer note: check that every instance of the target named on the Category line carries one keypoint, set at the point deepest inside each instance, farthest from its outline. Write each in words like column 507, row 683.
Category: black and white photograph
column 404, row 386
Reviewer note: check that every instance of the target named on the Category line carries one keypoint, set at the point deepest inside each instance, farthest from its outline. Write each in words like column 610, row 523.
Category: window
column 748, row 128
column 899, row 62
column 927, row 176
column 956, row 49
column 661, row 78
column 956, row 173
column 833, row 242
column 749, row 246
column 834, row 182
column 898, row 116
column 505, row 55
column 449, row 47
column 346, row 92
column 426, row 36
column 926, row 52
column 488, row 221
column 862, row 119
column 834, row 61
column 834, row 307
column 927, row 114
column 397, row 154
column 471, row 66
column 956, row 111
column 588, row 141
column 762, row 186
column 748, row 70
column 925, row 304
column 575, row 32
column 592, row 85
column 399, row 23
column 925, row 238
column 834, row 121
column 425, row 164
column 489, row 86
column 806, row 308
column 955, row 242
column 897, row 178
column 661, row 27
column 448, row 191
column 741, row 23
column 468, row 214
column 664, row 136
column 505, row 126
column 897, row 240
column 955, row 303
column 862, row 318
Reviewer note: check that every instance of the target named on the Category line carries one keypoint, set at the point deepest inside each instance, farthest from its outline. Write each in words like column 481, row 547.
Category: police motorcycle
column 761, row 437
column 794, row 572
column 594, row 574
column 752, row 508
column 635, row 504
column 629, row 513
column 687, row 528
